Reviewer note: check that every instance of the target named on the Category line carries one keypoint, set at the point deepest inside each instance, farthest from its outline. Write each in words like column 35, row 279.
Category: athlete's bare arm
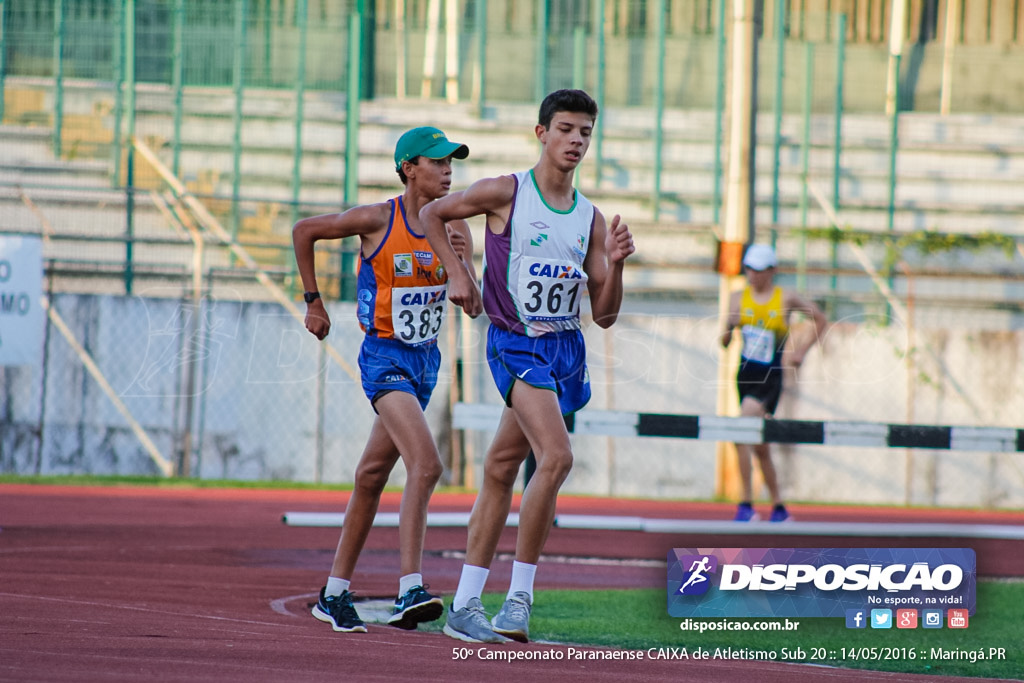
column 489, row 197
column 609, row 248
column 795, row 303
column 369, row 222
column 462, row 242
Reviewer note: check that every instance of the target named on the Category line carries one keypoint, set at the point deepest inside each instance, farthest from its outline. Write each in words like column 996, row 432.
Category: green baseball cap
column 427, row 141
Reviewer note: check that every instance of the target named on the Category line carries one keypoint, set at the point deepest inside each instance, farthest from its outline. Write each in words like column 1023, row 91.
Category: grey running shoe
column 470, row 624
column 513, row 620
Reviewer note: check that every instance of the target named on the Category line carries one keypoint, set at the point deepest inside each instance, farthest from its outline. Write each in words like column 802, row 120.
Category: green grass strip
column 638, row 620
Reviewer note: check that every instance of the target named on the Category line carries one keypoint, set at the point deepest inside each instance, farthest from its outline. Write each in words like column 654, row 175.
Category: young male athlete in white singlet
column 545, row 246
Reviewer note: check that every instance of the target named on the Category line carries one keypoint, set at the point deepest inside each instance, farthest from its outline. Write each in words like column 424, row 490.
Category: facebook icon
column 856, row 618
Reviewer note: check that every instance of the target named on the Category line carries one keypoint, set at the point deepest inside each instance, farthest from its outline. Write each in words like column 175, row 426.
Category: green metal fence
column 268, row 110
column 218, row 84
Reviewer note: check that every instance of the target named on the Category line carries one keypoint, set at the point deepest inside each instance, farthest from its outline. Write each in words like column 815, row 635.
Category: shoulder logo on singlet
column 539, row 239
column 403, row 265
column 579, row 247
column 424, row 258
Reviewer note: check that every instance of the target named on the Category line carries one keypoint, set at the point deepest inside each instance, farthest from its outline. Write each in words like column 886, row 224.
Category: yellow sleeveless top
column 764, row 327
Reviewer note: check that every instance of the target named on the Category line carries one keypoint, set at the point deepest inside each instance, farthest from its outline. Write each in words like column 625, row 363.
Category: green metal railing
column 176, row 48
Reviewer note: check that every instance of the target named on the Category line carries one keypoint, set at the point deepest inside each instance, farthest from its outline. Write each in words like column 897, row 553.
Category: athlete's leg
column 771, row 481
column 750, row 407
column 375, row 465
column 401, row 414
column 540, row 420
column 506, row 454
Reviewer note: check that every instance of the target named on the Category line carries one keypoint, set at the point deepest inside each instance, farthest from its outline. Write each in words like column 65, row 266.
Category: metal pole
column 541, row 63
column 780, row 74
column 949, row 47
column 267, row 45
column 207, row 323
column 659, row 106
column 430, row 47
column 238, row 79
column 192, row 330
column 805, row 164
column 481, row 57
column 579, row 57
column 45, row 373
column 837, row 151
column 347, row 258
column 755, row 70
column 178, row 80
column 716, row 196
column 837, row 139
column 118, row 97
column 367, row 42
column 599, row 87
column 894, row 141
column 300, row 98
column 737, row 229
column 3, row 55
column 129, row 61
column 737, row 210
column 451, row 56
column 352, row 112
column 401, row 58
column 58, row 76
column 896, row 28
column 129, row 210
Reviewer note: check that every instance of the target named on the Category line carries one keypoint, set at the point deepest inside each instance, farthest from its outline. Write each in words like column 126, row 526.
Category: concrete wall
column 262, row 385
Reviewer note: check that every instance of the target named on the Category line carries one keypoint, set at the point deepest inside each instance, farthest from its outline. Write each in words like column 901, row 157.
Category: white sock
column 408, row 581
column 522, row 579
column 471, row 585
column 336, row 586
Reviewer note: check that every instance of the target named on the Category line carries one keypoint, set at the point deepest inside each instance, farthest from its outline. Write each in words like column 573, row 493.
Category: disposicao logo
column 823, row 582
column 697, row 581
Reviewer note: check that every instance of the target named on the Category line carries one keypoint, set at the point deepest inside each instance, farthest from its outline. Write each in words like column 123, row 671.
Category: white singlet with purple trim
column 533, row 271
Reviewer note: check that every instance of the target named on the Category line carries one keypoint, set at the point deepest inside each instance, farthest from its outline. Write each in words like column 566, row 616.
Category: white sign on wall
column 21, row 288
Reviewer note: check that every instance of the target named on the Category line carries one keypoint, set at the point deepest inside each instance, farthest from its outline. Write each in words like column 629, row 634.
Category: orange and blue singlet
column 402, row 286
column 400, row 303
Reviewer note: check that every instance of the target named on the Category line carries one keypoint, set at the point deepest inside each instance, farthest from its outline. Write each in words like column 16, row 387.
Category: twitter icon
column 881, row 618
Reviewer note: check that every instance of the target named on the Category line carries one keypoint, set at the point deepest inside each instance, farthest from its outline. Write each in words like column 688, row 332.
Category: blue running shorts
column 388, row 365
column 555, row 361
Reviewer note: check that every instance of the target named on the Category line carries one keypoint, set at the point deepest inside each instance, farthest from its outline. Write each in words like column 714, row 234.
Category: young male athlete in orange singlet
column 401, row 300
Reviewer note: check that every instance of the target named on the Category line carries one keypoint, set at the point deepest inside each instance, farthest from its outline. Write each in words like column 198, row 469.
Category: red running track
column 136, row 583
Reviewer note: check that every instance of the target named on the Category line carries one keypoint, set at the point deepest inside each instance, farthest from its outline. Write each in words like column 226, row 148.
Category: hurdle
column 692, row 526
column 754, row 430
column 750, row 430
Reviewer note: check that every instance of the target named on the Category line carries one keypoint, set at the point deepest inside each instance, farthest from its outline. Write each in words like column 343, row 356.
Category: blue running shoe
column 780, row 514
column 339, row 612
column 745, row 513
column 415, row 607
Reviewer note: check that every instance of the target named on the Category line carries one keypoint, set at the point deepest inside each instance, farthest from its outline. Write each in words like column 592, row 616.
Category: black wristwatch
column 310, row 297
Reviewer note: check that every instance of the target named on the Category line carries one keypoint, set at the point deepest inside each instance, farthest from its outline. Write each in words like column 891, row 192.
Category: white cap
column 760, row 257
